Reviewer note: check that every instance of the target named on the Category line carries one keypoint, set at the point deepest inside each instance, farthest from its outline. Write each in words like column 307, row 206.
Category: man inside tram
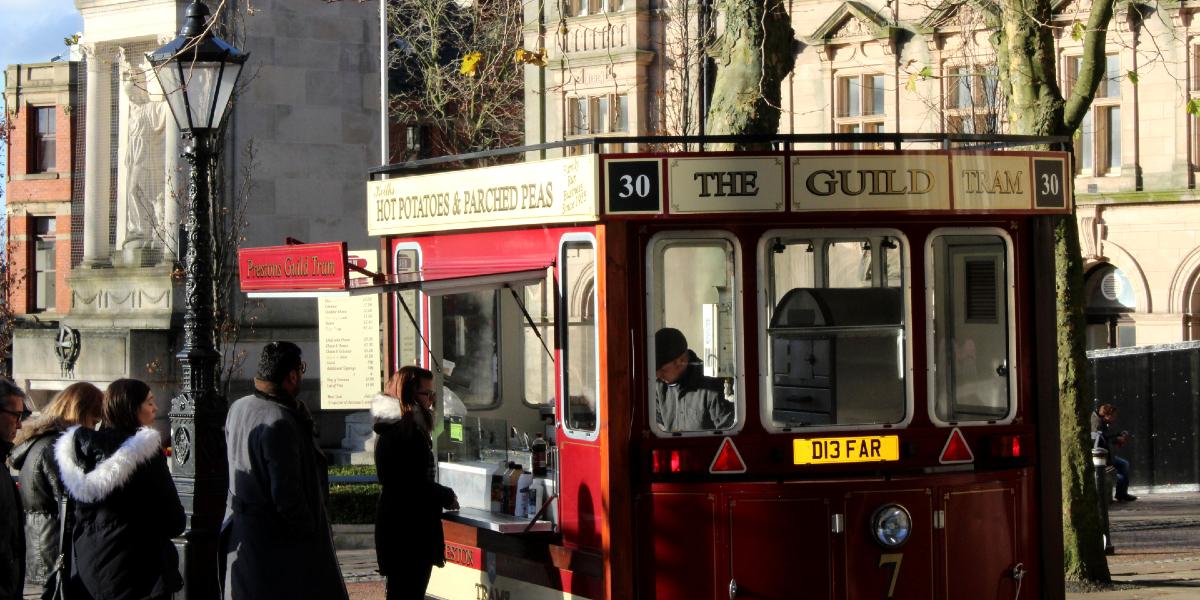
column 687, row 399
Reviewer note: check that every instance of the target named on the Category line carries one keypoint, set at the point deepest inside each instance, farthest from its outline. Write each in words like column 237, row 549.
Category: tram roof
column 672, row 176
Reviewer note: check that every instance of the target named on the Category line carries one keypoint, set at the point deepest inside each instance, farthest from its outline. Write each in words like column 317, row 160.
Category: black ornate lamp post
column 197, row 72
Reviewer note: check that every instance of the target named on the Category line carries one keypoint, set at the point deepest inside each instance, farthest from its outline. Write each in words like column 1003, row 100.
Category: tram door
column 780, row 548
column 971, row 328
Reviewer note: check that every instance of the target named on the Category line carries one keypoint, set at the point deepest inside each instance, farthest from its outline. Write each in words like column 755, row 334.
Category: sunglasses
column 21, row 414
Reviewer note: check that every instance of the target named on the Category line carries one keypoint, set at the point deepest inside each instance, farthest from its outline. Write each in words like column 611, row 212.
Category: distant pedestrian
column 41, row 484
column 408, row 525
column 276, row 536
column 1102, row 431
column 126, row 506
column 12, row 517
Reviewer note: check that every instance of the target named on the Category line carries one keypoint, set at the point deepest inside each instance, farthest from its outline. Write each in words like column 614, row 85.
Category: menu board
column 350, row 345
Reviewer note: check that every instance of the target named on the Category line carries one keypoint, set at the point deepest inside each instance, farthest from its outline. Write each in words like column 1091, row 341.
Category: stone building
column 308, row 107
column 619, row 67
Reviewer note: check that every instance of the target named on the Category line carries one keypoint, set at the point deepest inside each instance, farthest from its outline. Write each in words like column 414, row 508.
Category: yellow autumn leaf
column 469, row 62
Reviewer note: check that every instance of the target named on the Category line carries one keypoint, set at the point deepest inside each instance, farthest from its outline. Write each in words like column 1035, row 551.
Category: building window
column 416, row 141
column 43, row 264
column 860, row 107
column 599, row 114
column 583, row 8
column 972, row 101
column 1098, row 140
column 43, row 139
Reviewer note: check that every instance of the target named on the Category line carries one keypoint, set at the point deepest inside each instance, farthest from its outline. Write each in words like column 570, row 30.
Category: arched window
column 1110, row 301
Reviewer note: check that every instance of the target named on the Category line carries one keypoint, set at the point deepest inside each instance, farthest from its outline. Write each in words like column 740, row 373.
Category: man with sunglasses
column 12, row 516
column 276, row 536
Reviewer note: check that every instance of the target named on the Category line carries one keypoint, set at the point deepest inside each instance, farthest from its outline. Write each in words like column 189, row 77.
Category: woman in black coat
column 408, row 524
column 126, row 506
column 41, row 486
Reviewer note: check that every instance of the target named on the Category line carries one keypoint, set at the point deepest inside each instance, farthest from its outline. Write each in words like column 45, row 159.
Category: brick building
column 41, row 101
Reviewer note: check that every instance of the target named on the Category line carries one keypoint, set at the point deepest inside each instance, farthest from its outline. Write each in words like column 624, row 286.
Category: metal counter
column 497, row 522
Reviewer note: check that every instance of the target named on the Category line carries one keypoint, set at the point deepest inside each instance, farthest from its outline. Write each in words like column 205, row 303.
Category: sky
column 33, row 31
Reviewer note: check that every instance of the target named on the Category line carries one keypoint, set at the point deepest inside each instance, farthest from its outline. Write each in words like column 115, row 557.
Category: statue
column 146, row 126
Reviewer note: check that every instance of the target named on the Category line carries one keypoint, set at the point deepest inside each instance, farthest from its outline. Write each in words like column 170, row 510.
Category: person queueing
column 12, row 531
column 126, row 506
column 408, row 524
column 686, row 399
column 41, row 485
column 276, row 538
column 1102, row 420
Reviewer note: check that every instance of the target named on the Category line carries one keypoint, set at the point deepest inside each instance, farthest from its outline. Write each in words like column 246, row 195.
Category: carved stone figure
column 145, row 123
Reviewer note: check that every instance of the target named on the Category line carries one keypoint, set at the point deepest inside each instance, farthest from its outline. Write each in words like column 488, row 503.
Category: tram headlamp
column 891, row 525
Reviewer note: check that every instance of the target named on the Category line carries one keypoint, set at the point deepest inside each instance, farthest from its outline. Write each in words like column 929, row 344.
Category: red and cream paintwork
column 757, row 512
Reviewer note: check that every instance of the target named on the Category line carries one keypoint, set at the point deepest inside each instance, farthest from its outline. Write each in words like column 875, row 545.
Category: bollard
column 1104, row 493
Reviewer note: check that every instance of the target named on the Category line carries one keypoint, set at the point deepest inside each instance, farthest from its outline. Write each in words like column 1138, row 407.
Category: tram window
column 693, row 283
column 969, row 314
column 408, row 312
column 538, row 332
column 579, row 345
column 836, row 329
column 469, row 336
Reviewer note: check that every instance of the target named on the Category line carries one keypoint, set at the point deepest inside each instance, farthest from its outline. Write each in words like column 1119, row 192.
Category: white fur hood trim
column 112, row 472
column 386, row 408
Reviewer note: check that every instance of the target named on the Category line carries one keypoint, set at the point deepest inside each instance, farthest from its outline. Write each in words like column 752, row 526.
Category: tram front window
column 969, row 358
column 836, row 328
column 692, row 319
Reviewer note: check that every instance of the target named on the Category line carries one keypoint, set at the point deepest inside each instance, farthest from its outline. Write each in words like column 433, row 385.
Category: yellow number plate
column 820, row 451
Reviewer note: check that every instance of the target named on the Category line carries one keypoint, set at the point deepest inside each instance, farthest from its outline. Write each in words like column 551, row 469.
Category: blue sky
column 33, row 31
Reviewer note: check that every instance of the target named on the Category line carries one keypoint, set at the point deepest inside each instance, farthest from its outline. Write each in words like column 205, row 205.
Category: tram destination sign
column 930, row 181
column 295, row 267
column 551, row 191
column 820, row 451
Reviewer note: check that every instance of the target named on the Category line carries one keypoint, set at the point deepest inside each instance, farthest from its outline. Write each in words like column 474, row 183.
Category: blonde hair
column 76, row 404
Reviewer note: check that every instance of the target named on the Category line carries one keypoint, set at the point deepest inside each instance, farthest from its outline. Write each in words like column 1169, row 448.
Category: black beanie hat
column 669, row 344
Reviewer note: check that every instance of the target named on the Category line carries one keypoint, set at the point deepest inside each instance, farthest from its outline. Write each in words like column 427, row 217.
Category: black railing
column 778, row 142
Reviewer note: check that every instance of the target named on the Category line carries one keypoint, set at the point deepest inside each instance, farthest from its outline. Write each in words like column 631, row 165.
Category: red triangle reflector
column 956, row 449
column 728, row 459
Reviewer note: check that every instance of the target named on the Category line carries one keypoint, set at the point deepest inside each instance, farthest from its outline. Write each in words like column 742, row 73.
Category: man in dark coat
column 12, row 515
column 687, row 399
column 276, row 536
column 1103, row 436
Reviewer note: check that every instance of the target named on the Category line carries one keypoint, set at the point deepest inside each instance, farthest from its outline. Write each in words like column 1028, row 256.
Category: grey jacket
column 41, row 488
column 12, row 533
column 276, row 536
column 694, row 403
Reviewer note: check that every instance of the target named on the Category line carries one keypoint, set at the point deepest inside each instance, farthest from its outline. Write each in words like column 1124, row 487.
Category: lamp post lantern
column 197, row 72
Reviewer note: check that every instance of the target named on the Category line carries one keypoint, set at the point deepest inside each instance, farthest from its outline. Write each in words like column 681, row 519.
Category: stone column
column 96, row 179
column 172, row 195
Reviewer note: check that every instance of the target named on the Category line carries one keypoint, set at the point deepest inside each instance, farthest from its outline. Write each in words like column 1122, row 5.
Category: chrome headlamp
column 890, row 525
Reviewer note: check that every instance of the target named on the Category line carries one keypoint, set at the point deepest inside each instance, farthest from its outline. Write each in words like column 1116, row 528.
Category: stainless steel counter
column 497, row 522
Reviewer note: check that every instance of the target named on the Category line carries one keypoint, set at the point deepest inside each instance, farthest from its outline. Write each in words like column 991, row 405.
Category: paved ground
column 1157, row 540
column 1158, row 549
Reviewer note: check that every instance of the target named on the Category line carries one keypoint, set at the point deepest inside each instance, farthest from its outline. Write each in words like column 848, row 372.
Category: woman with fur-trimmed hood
column 408, row 525
column 126, row 506
column 41, row 486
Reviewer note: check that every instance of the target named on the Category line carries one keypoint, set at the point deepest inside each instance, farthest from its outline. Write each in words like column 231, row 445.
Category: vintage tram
column 866, row 408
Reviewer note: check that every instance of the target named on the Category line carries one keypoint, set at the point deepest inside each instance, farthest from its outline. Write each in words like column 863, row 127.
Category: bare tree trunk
column 754, row 54
column 1025, row 56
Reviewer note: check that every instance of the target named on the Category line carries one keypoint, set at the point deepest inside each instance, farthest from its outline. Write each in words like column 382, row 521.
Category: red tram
column 878, row 418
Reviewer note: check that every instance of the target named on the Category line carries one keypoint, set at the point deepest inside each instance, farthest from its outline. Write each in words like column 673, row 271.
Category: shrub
column 343, row 470
column 353, row 503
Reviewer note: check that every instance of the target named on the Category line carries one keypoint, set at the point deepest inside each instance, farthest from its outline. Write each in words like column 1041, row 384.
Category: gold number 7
column 892, row 559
